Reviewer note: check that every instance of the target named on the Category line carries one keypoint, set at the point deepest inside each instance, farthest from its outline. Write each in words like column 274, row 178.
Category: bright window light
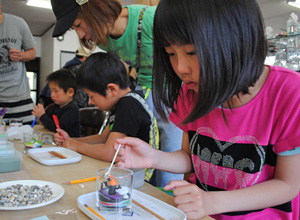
column 39, row 3
column 295, row 3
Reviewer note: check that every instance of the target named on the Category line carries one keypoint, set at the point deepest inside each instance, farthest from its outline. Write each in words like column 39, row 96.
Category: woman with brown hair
column 128, row 32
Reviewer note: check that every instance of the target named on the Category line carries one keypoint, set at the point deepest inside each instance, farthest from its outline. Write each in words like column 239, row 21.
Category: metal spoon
column 106, row 175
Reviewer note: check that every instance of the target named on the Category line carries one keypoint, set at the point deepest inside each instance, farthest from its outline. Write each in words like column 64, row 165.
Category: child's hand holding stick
column 57, row 125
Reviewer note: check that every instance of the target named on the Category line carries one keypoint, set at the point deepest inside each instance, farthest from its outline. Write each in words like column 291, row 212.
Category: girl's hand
column 134, row 153
column 190, row 199
column 60, row 137
column 38, row 110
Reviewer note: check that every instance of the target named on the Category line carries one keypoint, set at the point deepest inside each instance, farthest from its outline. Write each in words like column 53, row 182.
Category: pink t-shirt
column 243, row 152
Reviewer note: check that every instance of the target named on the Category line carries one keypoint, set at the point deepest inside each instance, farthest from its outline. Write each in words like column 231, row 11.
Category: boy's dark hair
column 229, row 41
column 100, row 69
column 64, row 78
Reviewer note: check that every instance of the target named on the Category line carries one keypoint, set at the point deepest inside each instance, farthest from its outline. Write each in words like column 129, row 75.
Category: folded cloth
column 17, row 132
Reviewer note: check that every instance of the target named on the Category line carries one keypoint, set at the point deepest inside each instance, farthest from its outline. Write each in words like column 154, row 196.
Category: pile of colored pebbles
column 22, row 195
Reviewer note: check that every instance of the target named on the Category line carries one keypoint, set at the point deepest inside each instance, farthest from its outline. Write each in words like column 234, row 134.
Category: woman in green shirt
column 128, row 32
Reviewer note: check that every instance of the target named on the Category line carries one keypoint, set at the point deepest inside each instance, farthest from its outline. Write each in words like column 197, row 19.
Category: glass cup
column 114, row 194
column 31, row 140
column 15, row 122
column 2, row 126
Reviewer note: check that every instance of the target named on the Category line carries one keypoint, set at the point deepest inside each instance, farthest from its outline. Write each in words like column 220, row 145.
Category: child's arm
column 135, row 153
column 62, row 136
column 39, row 112
column 285, row 185
column 48, row 122
column 101, row 151
column 68, row 116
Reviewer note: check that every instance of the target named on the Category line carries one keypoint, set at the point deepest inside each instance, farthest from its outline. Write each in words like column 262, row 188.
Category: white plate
column 58, row 192
column 159, row 207
column 43, row 156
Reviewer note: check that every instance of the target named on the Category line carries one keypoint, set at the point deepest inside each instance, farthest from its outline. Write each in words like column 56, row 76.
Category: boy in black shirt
column 63, row 87
column 104, row 78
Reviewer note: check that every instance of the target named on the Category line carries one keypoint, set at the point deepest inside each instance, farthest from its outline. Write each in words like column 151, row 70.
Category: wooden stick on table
column 56, row 154
column 148, row 210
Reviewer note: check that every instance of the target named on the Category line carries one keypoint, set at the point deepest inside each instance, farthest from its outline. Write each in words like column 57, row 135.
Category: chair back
column 91, row 120
column 49, row 108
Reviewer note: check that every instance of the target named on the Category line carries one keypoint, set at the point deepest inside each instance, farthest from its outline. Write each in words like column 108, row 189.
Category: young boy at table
column 63, row 87
column 104, row 78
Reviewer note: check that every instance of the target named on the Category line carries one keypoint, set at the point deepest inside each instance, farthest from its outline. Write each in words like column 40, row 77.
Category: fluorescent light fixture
column 39, row 3
column 294, row 3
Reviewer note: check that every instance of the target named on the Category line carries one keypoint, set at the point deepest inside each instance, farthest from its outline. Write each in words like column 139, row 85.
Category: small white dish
column 43, row 156
column 58, row 192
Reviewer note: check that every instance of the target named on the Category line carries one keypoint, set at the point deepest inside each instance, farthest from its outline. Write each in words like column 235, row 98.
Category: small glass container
column 292, row 26
column 32, row 140
column 293, row 29
column 114, row 194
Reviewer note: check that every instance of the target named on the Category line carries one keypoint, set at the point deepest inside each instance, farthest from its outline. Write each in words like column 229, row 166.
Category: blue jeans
column 170, row 139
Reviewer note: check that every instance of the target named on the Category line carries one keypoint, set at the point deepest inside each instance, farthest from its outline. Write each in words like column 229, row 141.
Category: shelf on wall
column 284, row 50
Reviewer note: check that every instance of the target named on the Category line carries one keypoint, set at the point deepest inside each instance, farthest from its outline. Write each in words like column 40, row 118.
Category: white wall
column 70, row 44
column 46, row 58
column 49, row 49
column 38, row 46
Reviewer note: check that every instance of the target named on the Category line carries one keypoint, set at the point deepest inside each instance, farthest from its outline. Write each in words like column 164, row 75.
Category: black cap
column 65, row 12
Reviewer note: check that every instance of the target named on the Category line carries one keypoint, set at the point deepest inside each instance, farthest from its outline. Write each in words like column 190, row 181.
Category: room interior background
column 53, row 52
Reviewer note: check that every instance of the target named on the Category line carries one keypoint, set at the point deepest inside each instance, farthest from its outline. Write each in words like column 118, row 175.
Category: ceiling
column 275, row 13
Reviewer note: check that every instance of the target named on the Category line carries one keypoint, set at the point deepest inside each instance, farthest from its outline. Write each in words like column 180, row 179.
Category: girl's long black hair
column 229, row 39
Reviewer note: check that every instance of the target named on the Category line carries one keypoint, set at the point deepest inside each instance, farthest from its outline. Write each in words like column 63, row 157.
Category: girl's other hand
column 189, row 198
column 134, row 153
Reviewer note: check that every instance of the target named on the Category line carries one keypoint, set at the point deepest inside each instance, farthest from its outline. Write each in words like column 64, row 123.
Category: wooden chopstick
column 54, row 153
column 148, row 210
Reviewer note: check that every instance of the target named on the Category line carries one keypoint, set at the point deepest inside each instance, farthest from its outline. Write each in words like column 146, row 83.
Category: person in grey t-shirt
column 17, row 46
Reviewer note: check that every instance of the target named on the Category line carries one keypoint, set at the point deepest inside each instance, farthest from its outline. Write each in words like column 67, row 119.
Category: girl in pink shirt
column 240, row 118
